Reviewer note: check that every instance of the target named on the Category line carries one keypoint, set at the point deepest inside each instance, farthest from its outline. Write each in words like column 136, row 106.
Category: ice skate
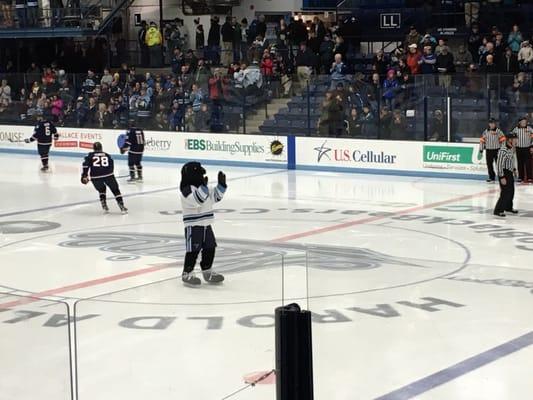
column 212, row 277
column 189, row 279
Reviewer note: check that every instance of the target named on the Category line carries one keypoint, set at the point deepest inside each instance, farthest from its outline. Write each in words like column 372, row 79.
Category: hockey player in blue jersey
column 197, row 200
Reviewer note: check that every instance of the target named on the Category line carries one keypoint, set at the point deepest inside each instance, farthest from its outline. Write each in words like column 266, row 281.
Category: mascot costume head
column 192, row 174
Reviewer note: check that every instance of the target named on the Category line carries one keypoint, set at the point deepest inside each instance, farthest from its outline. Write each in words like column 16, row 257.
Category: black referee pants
column 505, row 202
column 491, row 157
column 523, row 158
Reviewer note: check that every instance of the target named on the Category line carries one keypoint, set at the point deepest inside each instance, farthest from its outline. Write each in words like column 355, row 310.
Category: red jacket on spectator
column 412, row 62
column 267, row 66
column 57, row 108
column 215, row 88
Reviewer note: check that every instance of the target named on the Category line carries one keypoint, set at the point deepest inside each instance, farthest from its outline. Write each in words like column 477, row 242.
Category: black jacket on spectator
column 213, row 39
column 227, row 32
column 314, row 45
column 305, row 58
column 297, row 32
column 446, row 61
column 489, row 68
column 261, row 29
column 326, row 54
column 509, row 65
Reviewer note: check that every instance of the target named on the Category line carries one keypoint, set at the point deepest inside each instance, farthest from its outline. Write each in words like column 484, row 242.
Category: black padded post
column 294, row 354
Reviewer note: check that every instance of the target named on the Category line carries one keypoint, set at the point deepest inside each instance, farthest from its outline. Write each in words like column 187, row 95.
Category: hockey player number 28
column 100, row 161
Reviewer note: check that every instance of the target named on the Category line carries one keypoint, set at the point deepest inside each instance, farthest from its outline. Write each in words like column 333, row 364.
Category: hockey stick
column 16, row 141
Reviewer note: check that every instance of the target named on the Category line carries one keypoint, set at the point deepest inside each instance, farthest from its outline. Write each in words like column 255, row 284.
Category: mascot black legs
column 197, row 200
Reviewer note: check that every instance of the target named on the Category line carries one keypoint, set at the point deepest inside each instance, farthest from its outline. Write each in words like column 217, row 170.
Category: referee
column 523, row 149
column 506, row 170
column 491, row 141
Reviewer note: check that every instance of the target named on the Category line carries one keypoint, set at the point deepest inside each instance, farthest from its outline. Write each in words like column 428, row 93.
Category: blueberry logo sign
column 323, row 151
column 159, row 145
column 276, row 148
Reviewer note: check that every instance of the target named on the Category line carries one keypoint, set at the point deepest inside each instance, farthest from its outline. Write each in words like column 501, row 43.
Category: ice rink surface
column 417, row 291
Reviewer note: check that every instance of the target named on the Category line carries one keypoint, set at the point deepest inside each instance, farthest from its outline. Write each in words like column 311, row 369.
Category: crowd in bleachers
column 212, row 86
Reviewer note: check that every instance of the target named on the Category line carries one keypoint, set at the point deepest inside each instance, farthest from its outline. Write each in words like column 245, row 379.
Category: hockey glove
column 27, row 140
column 206, row 180
column 222, row 179
column 123, row 150
column 84, row 180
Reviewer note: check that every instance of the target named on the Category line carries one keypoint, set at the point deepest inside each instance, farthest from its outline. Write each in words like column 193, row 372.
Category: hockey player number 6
column 100, row 161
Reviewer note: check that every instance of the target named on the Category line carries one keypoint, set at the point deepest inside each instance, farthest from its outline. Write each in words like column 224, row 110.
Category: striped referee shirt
column 505, row 161
column 491, row 139
column 525, row 136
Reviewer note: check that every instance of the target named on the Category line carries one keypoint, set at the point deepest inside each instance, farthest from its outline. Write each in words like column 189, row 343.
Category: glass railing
column 35, row 348
column 449, row 108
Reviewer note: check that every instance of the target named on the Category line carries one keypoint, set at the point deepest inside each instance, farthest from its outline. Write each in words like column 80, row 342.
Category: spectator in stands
column 237, row 39
column 253, row 80
column 57, row 105
column 154, row 42
column 509, row 63
column 261, row 28
column 213, row 41
column 430, row 40
column 331, row 112
column 413, row 59
column 227, row 42
column 178, row 59
column 305, row 61
column 297, row 33
column 471, row 12
column 499, row 46
column 189, row 120
column 282, row 29
column 202, row 119
column 326, row 53
column 5, row 6
column 5, row 91
column 390, row 89
column 490, row 66
column 514, row 39
column 413, row 37
column 313, row 43
column 366, row 116
column 267, row 68
column 199, row 34
column 437, row 128
column 445, row 67
column 319, row 28
column 196, row 97
column 141, row 37
column 384, row 123
column 474, row 41
column 340, row 47
column 489, row 50
column 438, row 49
column 57, row 12
column 525, row 56
column 201, row 75
column 191, row 59
column 354, row 127
column 427, row 61
column 32, row 9
column 338, row 71
column 379, row 64
column 462, row 59
column 398, row 126
column 107, row 78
